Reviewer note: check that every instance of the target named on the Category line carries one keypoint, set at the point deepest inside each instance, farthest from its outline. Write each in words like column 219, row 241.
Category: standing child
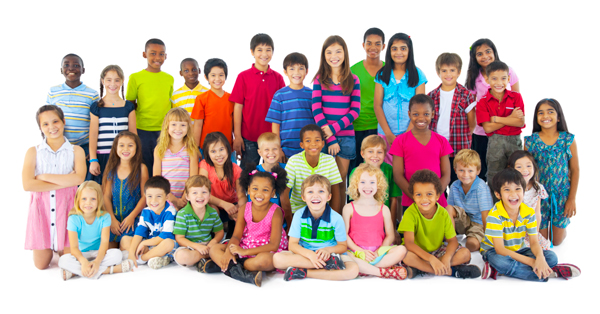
column 370, row 227
column 89, row 233
column 555, row 152
column 395, row 84
column 270, row 152
column 425, row 226
column 150, row 90
column 51, row 171
column 176, row 153
column 258, row 232
column 124, row 198
column 336, row 104
column 108, row 117
column 481, row 54
column 185, row 97
column 420, row 149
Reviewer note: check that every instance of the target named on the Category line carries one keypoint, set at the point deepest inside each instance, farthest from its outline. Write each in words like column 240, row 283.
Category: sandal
column 395, row 272
column 65, row 274
column 126, row 266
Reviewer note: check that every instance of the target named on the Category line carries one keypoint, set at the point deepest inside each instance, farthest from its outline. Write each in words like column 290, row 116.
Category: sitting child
column 425, row 225
column 317, row 237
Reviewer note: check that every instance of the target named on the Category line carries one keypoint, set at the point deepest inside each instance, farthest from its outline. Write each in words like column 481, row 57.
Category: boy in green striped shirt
column 194, row 224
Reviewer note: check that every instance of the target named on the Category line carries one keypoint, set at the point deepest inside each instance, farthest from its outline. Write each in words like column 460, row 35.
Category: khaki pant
column 464, row 225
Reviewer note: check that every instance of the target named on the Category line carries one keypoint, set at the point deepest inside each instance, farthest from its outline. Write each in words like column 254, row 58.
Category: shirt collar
column 502, row 211
column 45, row 145
column 257, row 71
column 80, row 87
column 325, row 217
column 507, row 94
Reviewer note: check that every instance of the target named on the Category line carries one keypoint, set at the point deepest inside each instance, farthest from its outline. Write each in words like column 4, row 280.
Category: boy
column 154, row 238
column 213, row 111
column 317, row 238
column 501, row 114
column 186, row 95
column 75, row 99
column 310, row 161
column 252, row 94
column 506, row 225
column 453, row 117
column 291, row 108
column 194, row 225
column 366, row 123
column 151, row 90
column 270, row 151
column 425, row 225
column 470, row 199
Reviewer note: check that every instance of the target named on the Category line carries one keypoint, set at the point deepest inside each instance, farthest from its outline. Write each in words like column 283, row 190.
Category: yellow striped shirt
column 185, row 97
column 499, row 225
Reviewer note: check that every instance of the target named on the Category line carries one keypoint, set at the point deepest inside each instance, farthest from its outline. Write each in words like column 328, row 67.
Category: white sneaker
column 159, row 262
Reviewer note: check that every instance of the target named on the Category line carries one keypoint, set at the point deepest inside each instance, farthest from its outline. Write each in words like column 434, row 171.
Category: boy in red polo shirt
column 501, row 114
column 252, row 94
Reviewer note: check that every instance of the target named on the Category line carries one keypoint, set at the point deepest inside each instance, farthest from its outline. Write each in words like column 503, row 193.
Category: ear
column 329, row 198
column 252, row 52
column 301, row 144
column 498, row 196
column 478, row 171
column 382, row 47
column 181, row 73
column 165, row 56
column 362, row 154
column 82, row 70
column 485, row 77
column 363, row 44
column 144, row 55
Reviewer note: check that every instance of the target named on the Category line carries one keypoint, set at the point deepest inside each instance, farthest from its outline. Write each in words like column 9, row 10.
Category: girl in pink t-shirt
column 420, row 149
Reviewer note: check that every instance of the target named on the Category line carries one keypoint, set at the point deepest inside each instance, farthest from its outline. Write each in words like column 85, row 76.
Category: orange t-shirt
column 217, row 113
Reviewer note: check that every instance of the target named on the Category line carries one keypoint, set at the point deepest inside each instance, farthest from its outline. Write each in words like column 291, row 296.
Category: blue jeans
column 250, row 154
column 347, row 148
column 506, row 265
column 148, row 139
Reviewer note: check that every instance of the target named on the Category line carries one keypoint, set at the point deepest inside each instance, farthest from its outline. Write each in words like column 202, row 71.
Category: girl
column 123, row 181
column 524, row 162
column 51, row 171
column 336, row 104
column 226, row 194
column 89, row 232
column 258, row 232
column 555, row 152
column 420, row 149
column 176, row 153
column 395, row 84
column 483, row 52
column 108, row 117
column 369, row 225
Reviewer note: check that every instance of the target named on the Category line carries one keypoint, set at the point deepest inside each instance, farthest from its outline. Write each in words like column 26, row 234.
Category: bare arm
column 335, row 198
column 198, row 130
column 287, row 207
column 347, row 215
column 275, row 128
column 570, row 208
column 445, row 170
column 157, row 167
column 72, row 179
column 30, row 182
column 132, row 123
column 94, row 127
column 472, row 120
column 194, row 163
column 381, row 119
column 238, row 142
column 399, row 175
column 390, row 232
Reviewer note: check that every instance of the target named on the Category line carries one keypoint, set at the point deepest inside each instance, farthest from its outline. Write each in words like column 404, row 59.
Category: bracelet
column 94, row 160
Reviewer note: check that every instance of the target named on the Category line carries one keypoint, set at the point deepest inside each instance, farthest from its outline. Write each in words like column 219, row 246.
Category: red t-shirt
column 217, row 113
column 488, row 106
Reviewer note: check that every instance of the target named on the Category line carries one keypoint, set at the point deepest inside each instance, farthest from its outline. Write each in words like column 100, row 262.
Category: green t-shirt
column 153, row 93
column 187, row 223
column 393, row 189
column 366, row 119
column 429, row 233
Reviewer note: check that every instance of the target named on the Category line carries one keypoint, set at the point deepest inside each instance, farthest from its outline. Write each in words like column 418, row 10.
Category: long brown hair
column 135, row 176
column 324, row 71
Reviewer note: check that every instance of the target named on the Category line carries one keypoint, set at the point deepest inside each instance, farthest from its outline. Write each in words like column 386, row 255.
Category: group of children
column 164, row 182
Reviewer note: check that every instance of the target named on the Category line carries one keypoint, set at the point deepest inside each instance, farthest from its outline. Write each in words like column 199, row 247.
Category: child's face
column 88, row 203
column 190, row 72
column 218, row 154
column 126, row 148
column 262, row 55
column 72, row 69
column 270, row 152
column 547, row 117
column 373, row 46
column 316, row 197
column 296, row 74
column 425, row 196
column 216, row 78
column 420, row 116
column 261, row 191
column 334, row 55
column 374, row 155
column 466, row 174
column 312, row 143
column 511, row 195
column 449, row 74
column 156, row 199
column 399, row 51
column 178, row 129
column 198, row 197
column 367, row 185
column 498, row 81
column 112, row 82
column 156, row 55
column 525, row 167
column 484, row 55
column 51, row 125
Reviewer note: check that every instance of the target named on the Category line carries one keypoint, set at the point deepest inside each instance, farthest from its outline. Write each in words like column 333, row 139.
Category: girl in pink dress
column 51, row 172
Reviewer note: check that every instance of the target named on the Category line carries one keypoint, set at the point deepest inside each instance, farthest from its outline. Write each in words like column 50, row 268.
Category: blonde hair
column 373, row 141
column 467, row 157
column 268, row 137
column 89, row 185
column 315, row 179
column 197, row 181
column 164, row 140
column 382, row 185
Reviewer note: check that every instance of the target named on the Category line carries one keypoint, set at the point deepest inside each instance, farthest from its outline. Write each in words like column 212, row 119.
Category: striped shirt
column 292, row 110
column 153, row 225
column 478, row 199
column 298, row 169
column 111, row 121
column 75, row 104
column 314, row 234
column 499, row 225
column 331, row 107
column 186, row 97
column 195, row 229
column 176, row 168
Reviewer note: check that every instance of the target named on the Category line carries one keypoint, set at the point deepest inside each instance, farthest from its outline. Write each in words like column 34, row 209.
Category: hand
column 517, row 113
column 315, row 260
column 390, row 139
column 95, row 265
column 231, row 209
column 541, row 268
column 370, row 255
column 570, row 209
column 397, row 238
column 172, row 198
column 95, row 168
column 323, row 254
column 238, row 146
column 127, row 224
column 202, row 249
column 282, row 158
column 438, row 267
column 236, row 250
column 140, row 250
column 446, row 261
column 334, row 149
column 327, row 130
column 225, row 260
column 85, row 268
column 115, row 227
column 132, row 258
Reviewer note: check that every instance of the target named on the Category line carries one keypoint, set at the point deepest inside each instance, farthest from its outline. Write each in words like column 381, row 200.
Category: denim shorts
column 347, row 147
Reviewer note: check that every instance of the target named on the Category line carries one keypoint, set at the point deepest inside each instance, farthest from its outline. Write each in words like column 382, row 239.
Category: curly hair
column 250, row 173
column 382, row 185
column 425, row 176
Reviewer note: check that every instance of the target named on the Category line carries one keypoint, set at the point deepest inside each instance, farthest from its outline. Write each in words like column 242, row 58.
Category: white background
column 551, row 45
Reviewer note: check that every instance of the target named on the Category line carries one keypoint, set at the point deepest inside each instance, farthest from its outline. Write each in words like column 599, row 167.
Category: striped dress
column 176, row 169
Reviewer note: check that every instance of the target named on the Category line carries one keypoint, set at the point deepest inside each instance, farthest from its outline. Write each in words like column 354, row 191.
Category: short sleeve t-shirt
column 197, row 230
column 221, row 188
column 367, row 119
column 153, row 225
column 477, row 200
column 153, row 94
column 429, row 233
column 393, row 189
column 314, row 234
column 217, row 113
column 89, row 236
column 482, row 87
column 499, row 225
column 418, row 156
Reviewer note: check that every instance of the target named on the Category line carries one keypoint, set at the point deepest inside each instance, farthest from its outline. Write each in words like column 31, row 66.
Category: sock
column 453, row 271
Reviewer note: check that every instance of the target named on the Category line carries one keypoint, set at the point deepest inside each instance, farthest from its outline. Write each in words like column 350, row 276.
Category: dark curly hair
column 425, row 176
column 250, row 173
